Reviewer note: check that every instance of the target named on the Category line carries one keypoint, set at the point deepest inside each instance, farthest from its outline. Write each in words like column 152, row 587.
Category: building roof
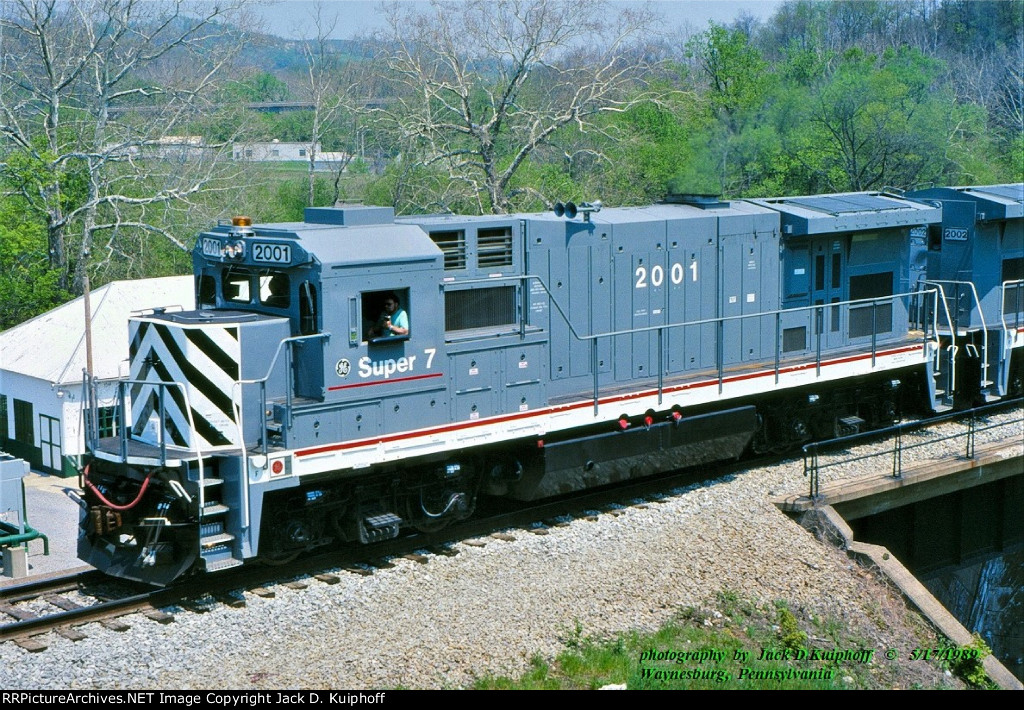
column 51, row 346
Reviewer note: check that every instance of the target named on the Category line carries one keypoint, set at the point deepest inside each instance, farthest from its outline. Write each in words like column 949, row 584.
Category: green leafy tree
column 737, row 85
column 28, row 286
column 884, row 121
column 260, row 87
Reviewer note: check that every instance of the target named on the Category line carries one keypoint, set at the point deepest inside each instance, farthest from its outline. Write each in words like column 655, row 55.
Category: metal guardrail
column 813, row 451
column 90, row 410
column 909, row 303
column 289, row 388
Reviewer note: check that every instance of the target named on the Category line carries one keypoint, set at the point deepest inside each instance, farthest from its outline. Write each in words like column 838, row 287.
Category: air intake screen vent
column 480, row 308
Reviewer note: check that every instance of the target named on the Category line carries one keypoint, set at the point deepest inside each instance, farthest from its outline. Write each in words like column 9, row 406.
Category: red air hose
column 96, row 491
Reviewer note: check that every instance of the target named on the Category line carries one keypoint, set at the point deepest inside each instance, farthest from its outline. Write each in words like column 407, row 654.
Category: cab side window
column 386, row 315
column 207, row 291
column 307, row 308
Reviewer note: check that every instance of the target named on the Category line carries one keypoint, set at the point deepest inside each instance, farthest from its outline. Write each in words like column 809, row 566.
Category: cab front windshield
column 266, row 288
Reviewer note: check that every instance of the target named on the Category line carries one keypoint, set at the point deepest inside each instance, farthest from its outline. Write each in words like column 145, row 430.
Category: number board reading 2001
column 272, row 253
column 212, row 247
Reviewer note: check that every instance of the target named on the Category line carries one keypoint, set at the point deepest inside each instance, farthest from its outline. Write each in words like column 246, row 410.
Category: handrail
column 981, row 315
column 719, row 321
column 1018, row 285
column 952, row 335
column 652, row 328
column 124, row 430
column 813, row 450
column 193, row 434
column 262, row 382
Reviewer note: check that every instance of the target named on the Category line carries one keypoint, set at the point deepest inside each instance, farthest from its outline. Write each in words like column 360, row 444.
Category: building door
column 49, row 443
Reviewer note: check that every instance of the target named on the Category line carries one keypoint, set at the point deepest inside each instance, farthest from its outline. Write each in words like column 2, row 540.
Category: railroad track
column 64, row 604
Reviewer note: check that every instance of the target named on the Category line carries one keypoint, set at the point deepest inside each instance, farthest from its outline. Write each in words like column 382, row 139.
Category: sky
column 291, row 18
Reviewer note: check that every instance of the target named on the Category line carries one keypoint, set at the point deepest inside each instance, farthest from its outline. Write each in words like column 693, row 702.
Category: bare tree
column 97, row 99
column 323, row 82
column 479, row 86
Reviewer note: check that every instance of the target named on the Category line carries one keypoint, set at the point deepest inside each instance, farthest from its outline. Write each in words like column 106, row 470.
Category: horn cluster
column 571, row 209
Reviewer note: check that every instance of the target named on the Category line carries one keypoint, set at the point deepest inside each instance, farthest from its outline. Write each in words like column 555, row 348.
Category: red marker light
column 623, row 423
column 277, row 467
column 648, row 420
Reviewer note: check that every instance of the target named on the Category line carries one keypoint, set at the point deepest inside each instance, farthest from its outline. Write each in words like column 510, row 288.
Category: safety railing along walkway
column 892, row 452
column 917, row 313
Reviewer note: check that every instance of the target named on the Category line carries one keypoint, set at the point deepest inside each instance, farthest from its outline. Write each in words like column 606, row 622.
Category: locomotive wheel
column 432, row 525
column 279, row 558
column 798, row 429
column 282, row 547
column 427, row 524
column 1015, row 387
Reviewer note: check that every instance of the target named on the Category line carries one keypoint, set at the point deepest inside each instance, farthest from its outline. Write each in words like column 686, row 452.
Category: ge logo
column 343, row 368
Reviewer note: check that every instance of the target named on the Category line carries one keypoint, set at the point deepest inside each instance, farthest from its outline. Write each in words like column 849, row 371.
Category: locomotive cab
column 262, row 366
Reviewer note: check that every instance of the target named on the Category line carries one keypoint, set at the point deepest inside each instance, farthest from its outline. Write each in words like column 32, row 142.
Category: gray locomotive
column 355, row 374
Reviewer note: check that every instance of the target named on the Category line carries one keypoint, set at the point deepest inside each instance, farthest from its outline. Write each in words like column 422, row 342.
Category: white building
column 42, row 361
column 273, row 151
column 280, row 151
column 179, row 149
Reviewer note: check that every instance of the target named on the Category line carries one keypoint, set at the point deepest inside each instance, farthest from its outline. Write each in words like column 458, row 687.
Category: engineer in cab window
column 393, row 320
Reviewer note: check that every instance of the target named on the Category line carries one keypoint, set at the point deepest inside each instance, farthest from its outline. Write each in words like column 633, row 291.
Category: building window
column 50, row 442
column 3, row 417
column 489, row 307
column 24, row 427
column 107, row 421
column 302, row 152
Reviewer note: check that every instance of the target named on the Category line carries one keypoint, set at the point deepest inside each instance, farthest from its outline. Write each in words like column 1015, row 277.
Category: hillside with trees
column 119, row 121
